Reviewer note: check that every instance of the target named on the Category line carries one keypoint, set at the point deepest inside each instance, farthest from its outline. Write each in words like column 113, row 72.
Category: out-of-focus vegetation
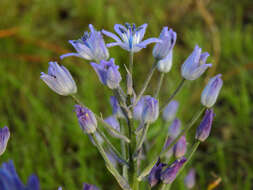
column 46, row 138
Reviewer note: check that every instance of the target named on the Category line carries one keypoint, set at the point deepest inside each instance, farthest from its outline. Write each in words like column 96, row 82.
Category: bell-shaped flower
column 205, row 126
column 116, row 110
column 180, row 147
column 59, row 79
column 9, row 179
column 164, row 65
column 170, row 173
column 170, row 111
column 91, row 46
column 138, row 108
column 150, row 110
column 190, row 179
column 163, row 49
column 195, row 65
column 86, row 119
column 87, row 186
column 154, row 175
column 211, row 91
column 108, row 73
column 130, row 37
column 4, row 138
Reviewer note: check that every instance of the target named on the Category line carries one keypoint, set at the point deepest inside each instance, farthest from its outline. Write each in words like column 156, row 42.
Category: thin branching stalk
column 160, row 82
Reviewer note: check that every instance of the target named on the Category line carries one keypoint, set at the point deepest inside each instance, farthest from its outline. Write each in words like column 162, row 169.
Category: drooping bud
column 59, row 79
column 174, row 128
column 87, row 186
column 170, row 111
column 168, row 38
column 190, row 179
column 108, row 73
column 86, row 119
column 180, row 147
column 211, row 91
column 195, row 65
column 150, row 110
column 4, row 138
column 205, row 126
column 170, row 173
column 154, row 175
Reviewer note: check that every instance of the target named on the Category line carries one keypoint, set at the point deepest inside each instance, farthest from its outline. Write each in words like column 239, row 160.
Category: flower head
column 59, row 79
column 180, row 147
column 87, row 186
column 170, row 111
column 108, row 73
column 150, row 110
column 170, row 173
column 205, row 126
column 162, row 50
column 86, row 119
column 154, row 175
column 4, row 137
column 211, row 91
column 190, row 179
column 195, row 65
column 9, row 179
column 91, row 46
column 130, row 37
column 174, row 128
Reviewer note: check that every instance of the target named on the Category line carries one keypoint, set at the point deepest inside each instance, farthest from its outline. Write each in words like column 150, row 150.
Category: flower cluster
column 133, row 114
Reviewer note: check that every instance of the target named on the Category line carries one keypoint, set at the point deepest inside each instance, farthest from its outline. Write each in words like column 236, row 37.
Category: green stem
column 131, row 62
column 160, row 82
column 143, row 136
column 163, row 152
column 173, row 94
column 122, row 181
column 150, row 74
column 123, row 149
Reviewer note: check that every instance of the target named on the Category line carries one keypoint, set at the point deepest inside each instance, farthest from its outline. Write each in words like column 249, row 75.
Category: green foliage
column 45, row 136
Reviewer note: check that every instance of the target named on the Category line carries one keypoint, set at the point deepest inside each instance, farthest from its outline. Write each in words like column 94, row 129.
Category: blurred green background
column 46, row 138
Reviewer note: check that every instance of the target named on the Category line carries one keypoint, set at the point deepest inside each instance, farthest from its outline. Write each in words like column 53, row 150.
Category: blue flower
column 131, row 37
column 9, row 179
column 154, row 175
column 116, row 110
column 150, row 110
column 108, row 73
column 180, row 147
column 112, row 121
column 195, row 65
column 87, row 186
column 164, row 65
column 59, row 79
column 170, row 111
column 4, row 138
column 86, row 119
column 163, row 49
column 91, row 46
column 205, row 126
column 190, row 179
column 211, row 91
column 174, row 128
column 170, row 173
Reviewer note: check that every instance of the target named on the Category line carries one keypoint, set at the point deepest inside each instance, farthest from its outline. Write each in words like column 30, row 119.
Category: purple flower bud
column 154, row 175
column 59, row 79
column 91, row 46
column 116, row 110
column 195, row 65
column 138, row 108
column 170, row 173
column 112, row 159
column 164, row 65
column 87, row 186
column 108, row 73
column 86, row 119
column 131, row 37
column 167, row 144
column 168, row 37
column 4, row 137
column 174, row 128
column 190, row 179
column 211, row 91
column 170, row 111
column 180, row 147
column 112, row 121
column 150, row 110
column 59, row 188
column 205, row 126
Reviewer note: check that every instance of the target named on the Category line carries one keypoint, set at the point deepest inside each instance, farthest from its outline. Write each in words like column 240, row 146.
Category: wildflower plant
column 135, row 112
